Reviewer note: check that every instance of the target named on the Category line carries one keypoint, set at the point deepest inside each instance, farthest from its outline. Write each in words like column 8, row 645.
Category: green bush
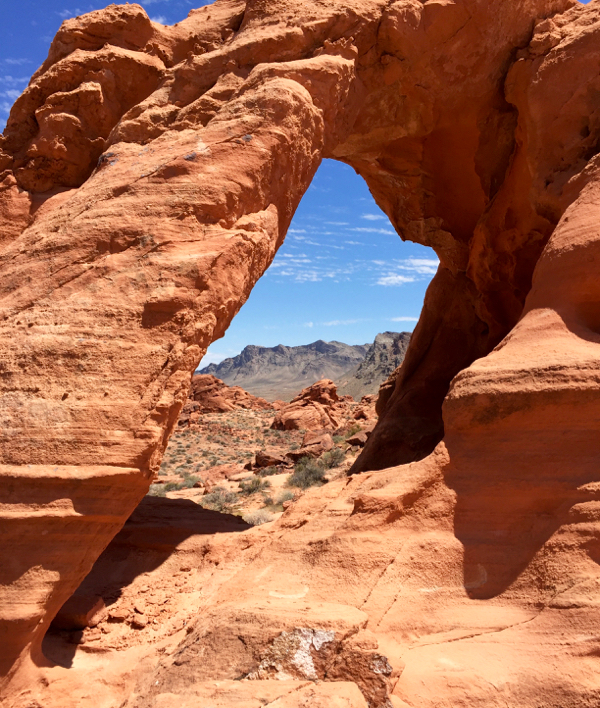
column 353, row 430
column 332, row 458
column 254, row 485
column 190, row 480
column 268, row 471
column 219, row 500
column 307, row 473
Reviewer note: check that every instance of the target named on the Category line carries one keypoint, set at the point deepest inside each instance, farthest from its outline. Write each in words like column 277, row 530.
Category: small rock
column 264, row 459
column 119, row 614
column 139, row 621
column 359, row 439
column 296, row 455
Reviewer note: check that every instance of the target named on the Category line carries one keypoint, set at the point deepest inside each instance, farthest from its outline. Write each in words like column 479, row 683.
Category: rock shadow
column 505, row 513
column 149, row 537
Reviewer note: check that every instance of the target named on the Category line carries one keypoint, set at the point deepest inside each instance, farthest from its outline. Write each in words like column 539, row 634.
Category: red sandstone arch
column 148, row 176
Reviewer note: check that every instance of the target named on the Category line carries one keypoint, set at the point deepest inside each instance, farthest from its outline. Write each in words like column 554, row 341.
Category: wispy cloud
column 372, row 230
column 374, row 217
column 16, row 62
column 14, row 80
column 67, row 14
column 309, row 324
column 404, row 319
column 395, row 279
column 422, row 266
column 11, row 94
column 160, row 19
column 337, row 323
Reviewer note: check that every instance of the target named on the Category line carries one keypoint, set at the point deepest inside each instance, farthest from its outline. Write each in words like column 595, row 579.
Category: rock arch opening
column 131, row 234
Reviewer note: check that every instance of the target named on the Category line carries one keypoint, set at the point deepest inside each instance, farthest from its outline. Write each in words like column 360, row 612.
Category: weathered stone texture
column 147, row 177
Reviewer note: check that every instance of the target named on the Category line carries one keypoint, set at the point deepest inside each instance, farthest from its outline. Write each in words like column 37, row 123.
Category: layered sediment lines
column 147, row 177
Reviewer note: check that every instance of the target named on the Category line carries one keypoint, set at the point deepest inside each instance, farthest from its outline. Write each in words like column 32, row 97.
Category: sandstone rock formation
column 317, row 407
column 209, row 394
column 147, row 177
column 281, row 372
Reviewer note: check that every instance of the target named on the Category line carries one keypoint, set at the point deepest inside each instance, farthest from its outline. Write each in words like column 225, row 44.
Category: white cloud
column 17, row 62
column 395, row 279
column 374, row 217
column 13, row 80
column 309, row 324
column 404, row 319
column 296, row 231
column 371, row 230
column 310, row 276
column 354, row 243
column 336, row 323
column 11, row 94
column 160, row 19
column 336, row 223
column 422, row 266
column 67, row 14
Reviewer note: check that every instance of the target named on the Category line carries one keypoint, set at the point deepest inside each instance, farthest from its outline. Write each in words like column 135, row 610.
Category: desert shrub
column 337, row 439
column 353, row 430
column 189, row 481
column 157, row 490
column 285, row 496
column 294, row 446
column 256, row 518
column 307, row 473
column 332, row 458
column 254, row 485
column 219, row 500
column 268, row 471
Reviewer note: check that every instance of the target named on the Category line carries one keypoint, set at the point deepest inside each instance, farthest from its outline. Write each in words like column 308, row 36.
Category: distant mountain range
column 282, row 372
column 384, row 356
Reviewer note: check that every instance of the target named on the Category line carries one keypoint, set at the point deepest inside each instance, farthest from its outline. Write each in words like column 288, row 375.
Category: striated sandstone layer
column 147, row 177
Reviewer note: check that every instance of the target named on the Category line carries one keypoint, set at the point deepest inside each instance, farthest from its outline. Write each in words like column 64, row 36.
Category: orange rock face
column 147, row 177
column 317, row 407
column 208, row 394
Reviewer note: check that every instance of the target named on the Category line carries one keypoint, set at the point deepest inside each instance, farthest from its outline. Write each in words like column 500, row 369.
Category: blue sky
column 342, row 273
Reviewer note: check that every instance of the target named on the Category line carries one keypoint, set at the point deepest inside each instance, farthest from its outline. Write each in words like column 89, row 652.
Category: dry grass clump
column 256, row 518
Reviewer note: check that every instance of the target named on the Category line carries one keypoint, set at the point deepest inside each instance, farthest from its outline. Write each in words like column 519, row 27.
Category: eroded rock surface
column 317, row 407
column 208, row 394
column 147, row 177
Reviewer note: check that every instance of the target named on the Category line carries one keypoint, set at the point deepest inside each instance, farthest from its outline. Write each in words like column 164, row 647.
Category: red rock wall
column 148, row 176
